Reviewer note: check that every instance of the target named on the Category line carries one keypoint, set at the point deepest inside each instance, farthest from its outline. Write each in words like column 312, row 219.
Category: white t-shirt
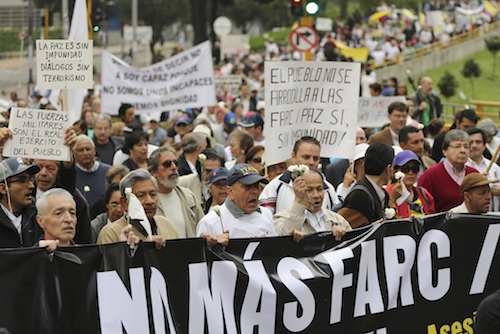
column 253, row 225
column 172, row 201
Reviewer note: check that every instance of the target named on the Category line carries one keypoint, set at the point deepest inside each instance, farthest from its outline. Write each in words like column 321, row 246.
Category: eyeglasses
column 22, row 180
column 413, row 169
column 81, row 149
column 457, row 146
column 257, row 160
column 168, row 163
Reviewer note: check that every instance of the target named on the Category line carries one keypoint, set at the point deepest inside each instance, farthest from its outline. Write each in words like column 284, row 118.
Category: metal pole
column 30, row 44
column 134, row 27
column 65, row 19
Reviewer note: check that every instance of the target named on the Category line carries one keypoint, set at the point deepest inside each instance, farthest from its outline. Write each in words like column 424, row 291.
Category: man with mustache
column 163, row 165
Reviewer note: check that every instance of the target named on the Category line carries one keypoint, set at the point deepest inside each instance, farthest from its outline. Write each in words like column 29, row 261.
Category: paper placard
column 233, row 81
column 64, row 64
column 38, row 134
column 185, row 80
column 373, row 110
column 311, row 99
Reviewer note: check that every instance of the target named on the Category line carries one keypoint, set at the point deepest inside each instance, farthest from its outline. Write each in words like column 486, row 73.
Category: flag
column 79, row 30
column 489, row 9
column 383, row 15
column 357, row 54
column 138, row 217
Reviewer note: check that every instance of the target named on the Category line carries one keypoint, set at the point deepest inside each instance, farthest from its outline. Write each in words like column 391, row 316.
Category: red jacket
column 428, row 204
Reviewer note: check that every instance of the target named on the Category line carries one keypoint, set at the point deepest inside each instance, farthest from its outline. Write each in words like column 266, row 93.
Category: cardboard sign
column 38, row 134
column 233, row 81
column 311, row 99
column 64, row 64
column 183, row 81
column 373, row 110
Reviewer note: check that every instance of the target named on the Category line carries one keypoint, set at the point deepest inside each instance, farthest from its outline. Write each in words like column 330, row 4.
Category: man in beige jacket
column 306, row 213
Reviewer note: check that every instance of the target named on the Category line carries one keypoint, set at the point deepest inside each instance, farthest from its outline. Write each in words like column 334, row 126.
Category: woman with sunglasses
column 419, row 202
column 255, row 158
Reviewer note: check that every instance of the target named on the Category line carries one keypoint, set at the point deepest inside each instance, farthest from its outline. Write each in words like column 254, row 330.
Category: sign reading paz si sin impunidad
column 311, row 99
column 64, row 64
column 38, row 134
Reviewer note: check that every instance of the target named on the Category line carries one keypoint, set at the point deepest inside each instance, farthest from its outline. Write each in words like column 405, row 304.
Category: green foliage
column 9, row 41
column 280, row 37
column 471, row 70
column 448, row 85
column 493, row 45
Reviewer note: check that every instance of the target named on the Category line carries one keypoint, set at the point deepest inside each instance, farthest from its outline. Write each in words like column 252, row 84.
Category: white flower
column 128, row 191
column 202, row 158
column 86, row 189
column 303, row 169
column 298, row 170
column 421, row 126
column 389, row 213
column 150, row 131
column 320, row 167
column 216, row 209
column 399, row 175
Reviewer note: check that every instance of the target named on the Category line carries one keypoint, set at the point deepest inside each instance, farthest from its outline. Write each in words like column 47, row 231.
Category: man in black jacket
column 18, row 226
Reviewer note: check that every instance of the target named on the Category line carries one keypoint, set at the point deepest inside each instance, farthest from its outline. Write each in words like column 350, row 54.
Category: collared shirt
column 458, row 177
column 462, row 208
column 16, row 221
column 493, row 174
column 91, row 170
column 395, row 137
column 192, row 167
column 381, row 193
column 317, row 220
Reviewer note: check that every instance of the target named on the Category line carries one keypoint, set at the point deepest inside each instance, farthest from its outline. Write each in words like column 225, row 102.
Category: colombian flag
column 489, row 9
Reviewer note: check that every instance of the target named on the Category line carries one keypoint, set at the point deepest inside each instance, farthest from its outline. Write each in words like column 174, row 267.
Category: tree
column 448, row 85
column 493, row 45
column 471, row 70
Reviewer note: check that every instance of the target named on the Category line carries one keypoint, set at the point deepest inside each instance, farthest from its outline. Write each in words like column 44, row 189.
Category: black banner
column 398, row 277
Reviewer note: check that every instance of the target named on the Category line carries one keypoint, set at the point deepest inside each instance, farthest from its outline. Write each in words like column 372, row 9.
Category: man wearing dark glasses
column 163, row 165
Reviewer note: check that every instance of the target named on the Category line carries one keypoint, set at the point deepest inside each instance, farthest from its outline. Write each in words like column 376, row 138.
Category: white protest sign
column 311, row 99
column 64, row 64
column 373, row 110
column 38, row 134
column 234, row 44
column 183, row 81
column 144, row 34
column 233, row 81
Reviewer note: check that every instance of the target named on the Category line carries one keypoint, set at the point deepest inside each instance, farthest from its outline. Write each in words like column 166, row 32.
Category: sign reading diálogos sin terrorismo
column 64, row 64
column 185, row 80
column 311, row 99
column 38, row 134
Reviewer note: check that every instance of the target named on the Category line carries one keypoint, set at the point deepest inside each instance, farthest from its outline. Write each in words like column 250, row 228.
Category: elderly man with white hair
column 90, row 174
column 491, row 130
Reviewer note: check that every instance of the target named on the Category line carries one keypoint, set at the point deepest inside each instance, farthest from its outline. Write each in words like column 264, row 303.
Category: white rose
column 389, row 213
column 399, row 175
column 217, row 210
column 86, row 189
column 128, row 191
column 202, row 158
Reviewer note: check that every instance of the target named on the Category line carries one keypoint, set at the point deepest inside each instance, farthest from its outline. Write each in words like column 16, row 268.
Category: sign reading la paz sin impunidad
column 64, row 64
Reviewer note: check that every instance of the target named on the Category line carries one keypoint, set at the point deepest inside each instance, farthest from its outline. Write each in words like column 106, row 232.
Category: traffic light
column 312, row 7
column 297, row 8
column 97, row 18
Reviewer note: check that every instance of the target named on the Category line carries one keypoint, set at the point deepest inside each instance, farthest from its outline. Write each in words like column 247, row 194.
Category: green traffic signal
column 312, row 8
column 96, row 28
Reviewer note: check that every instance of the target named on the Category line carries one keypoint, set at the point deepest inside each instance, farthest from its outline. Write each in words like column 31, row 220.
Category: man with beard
column 163, row 166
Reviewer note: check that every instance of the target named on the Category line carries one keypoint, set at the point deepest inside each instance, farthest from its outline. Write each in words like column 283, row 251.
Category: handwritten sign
column 311, row 99
column 373, row 110
column 183, row 81
column 38, row 134
column 64, row 64
column 233, row 81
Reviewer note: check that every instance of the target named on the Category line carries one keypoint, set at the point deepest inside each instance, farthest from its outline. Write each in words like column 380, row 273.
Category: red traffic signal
column 297, row 8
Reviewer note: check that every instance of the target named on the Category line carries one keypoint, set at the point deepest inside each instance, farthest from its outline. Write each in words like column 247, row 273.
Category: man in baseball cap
column 253, row 123
column 476, row 192
column 18, row 226
column 240, row 215
column 217, row 182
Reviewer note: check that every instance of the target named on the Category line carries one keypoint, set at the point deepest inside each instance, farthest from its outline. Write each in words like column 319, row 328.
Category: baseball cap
column 474, row 180
column 254, row 119
column 183, row 119
column 230, row 120
column 359, row 151
column 217, row 175
column 14, row 166
column 245, row 174
column 403, row 157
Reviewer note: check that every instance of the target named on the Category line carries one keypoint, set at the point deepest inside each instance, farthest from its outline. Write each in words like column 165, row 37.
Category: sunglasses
column 257, row 160
column 168, row 163
column 406, row 169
